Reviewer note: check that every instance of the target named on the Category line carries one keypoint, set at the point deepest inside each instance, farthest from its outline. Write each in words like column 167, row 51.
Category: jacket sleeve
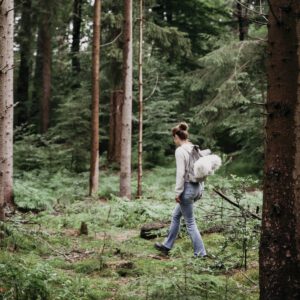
column 180, row 171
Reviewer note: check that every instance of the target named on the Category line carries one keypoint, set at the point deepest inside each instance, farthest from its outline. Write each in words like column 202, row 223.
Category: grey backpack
column 194, row 155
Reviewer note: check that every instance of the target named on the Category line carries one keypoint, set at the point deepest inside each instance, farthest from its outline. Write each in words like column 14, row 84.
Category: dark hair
column 181, row 130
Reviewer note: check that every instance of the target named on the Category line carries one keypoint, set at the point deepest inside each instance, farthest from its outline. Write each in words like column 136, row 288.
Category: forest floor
column 45, row 256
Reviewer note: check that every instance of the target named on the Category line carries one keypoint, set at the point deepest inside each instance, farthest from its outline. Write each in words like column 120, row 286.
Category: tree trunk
column 140, row 145
column 6, row 103
column 280, row 237
column 25, row 40
column 45, row 40
column 125, row 175
column 242, row 15
column 77, row 11
column 94, row 168
column 115, row 126
column 34, row 110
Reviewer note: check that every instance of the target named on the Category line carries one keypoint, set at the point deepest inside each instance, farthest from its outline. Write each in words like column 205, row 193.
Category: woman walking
column 185, row 194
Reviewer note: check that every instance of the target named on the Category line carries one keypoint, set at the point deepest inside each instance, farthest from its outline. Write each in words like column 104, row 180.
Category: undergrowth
column 43, row 255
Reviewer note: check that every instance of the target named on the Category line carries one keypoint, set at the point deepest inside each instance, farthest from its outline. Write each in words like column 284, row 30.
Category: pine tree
column 140, row 142
column 279, row 254
column 115, row 125
column 6, row 103
column 77, row 15
column 94, row 172
column 125, row 175
column 25, row 37
column 46, row 54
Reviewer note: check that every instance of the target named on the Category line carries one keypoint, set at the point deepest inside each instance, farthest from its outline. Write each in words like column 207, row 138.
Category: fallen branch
column 253, row 282
column 236, row 205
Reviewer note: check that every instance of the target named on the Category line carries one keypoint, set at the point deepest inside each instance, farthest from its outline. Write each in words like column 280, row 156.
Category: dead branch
column 109, row 43
column 236, row 205
column 154, row 89
column 252, row 10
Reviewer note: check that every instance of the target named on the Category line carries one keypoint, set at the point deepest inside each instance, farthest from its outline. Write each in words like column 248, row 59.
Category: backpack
column 201, row 164
column 194, row 155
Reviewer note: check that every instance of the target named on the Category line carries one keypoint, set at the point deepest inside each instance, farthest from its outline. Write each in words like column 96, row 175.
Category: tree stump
column 83, row 229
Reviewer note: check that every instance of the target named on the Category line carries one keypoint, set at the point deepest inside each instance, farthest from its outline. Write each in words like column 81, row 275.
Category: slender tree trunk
column 125, row 175
column 140, row 145
column 242, row 15
column 34, row 110
column 77, row 11
column 112, row 128
column 6, row 103
column 94, row 168
column 25, row 38
column 46, row 70
column 280, row 238
column 115, row 126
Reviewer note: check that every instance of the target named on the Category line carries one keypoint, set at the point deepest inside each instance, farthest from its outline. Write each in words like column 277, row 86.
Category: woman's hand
column 177, row 199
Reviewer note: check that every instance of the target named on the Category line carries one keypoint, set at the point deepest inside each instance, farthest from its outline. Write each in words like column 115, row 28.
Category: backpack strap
column 188, row 162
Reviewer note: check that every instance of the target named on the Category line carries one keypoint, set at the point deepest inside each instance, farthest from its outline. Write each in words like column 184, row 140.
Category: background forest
column 198, row 67
column 203, row 63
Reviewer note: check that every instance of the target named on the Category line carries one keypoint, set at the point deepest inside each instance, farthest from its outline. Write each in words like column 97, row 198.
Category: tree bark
column 35, row 107
column 115, row 126
column 140, row 143
column 280, row 238
column 45, row 40
column 6, row 103
column 77, row 12
column 94, row 168
column 242, row 16
column 125, row 175
column 25, row 42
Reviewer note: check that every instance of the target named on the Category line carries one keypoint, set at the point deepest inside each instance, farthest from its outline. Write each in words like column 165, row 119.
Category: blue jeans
column 191, row 192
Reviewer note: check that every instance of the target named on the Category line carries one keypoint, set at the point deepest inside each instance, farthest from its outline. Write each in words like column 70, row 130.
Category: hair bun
column 183, row 126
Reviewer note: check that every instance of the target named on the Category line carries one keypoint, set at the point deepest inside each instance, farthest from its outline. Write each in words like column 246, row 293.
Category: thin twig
column 9, row 11
column 248, row 278
column 107, row 44
column 257, row 22
column 154, row 89
column 7, row 108
column 104, row 238
column 3, row 68
column 250, row 9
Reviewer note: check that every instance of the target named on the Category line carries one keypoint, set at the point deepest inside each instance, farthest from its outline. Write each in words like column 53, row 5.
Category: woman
column 186, row 193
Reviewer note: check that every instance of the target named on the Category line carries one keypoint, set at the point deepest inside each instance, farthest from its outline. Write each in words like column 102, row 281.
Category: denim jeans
column 191, row 192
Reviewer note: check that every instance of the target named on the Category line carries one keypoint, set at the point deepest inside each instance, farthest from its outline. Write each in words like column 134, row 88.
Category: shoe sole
column 161, row 250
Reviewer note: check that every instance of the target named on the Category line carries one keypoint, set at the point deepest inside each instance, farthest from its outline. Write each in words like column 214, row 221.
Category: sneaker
column 206, row 256
column 199, row 256
column 160, row 247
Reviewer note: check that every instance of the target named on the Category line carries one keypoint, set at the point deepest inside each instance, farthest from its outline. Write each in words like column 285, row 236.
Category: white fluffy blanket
column 207, row 165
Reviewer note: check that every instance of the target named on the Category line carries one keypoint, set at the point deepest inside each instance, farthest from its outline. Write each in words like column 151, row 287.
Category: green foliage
column 228, row 92
column 113, row 261
column 41, row 189
column 22, row 280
